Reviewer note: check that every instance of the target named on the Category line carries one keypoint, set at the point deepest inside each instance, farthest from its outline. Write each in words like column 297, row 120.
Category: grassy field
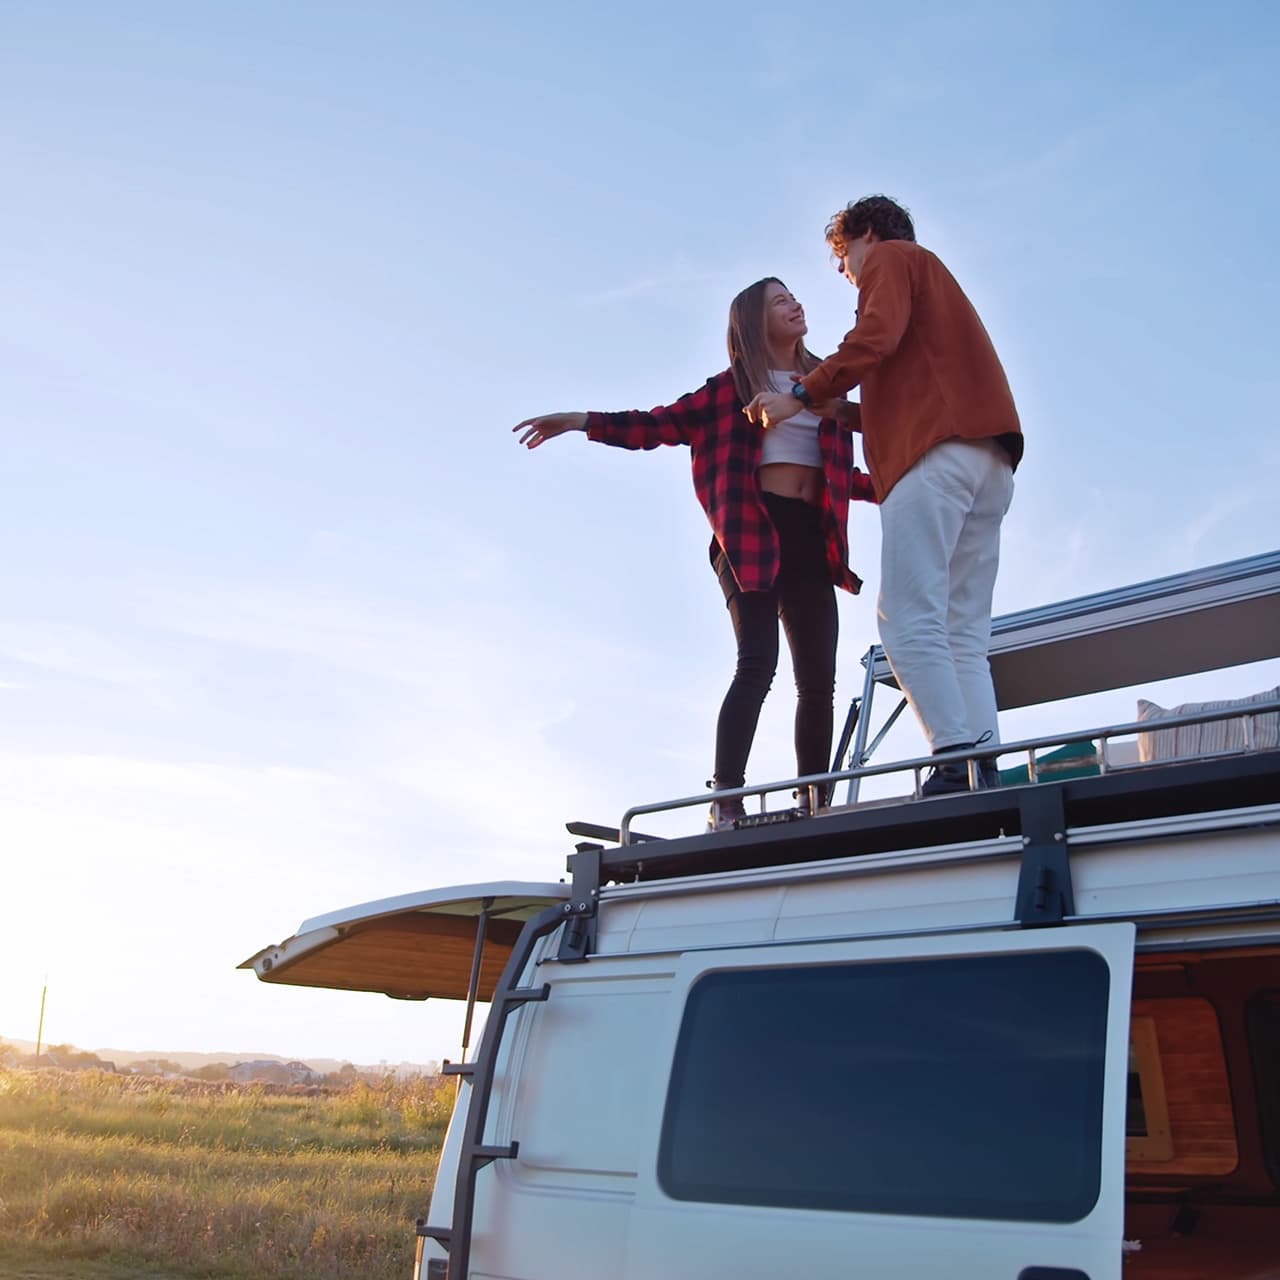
column 104, row 1177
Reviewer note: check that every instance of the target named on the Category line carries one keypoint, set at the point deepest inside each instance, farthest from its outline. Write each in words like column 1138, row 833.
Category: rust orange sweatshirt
column 926, row 366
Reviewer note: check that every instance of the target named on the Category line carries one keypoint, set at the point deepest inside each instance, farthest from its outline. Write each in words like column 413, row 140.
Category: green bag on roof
column 1075, row 760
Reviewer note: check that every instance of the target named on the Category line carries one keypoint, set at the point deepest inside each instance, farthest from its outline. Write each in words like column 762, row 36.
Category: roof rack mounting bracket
column 579, row 937
column 1045, row 895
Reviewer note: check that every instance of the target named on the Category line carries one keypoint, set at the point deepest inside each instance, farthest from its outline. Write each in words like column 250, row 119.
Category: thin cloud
column 680, row 277
column 80, row 651
column 1219, row 512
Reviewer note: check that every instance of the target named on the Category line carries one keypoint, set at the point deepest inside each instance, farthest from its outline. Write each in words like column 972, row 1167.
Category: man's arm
column 884, row 307
column 848, row 413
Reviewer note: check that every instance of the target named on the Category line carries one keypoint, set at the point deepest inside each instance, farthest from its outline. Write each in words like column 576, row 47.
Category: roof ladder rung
column 527, row 995
column 441, row 1235
column 481, row 1156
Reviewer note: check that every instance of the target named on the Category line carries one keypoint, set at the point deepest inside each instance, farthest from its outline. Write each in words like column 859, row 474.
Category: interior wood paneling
column 1196, row 1088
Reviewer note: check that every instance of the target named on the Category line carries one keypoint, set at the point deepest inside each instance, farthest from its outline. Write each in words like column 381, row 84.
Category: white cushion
column 1212, row 738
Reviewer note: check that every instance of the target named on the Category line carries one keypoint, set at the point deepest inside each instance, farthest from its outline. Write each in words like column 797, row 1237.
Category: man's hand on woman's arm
column 548, row 425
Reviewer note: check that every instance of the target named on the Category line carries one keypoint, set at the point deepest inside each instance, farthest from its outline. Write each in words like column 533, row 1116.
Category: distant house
column 268, row 1071
column 149, row 1067
column 66, row 1060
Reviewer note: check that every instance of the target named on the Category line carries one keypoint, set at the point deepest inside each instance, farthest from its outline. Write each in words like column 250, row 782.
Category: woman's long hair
column 748, row 347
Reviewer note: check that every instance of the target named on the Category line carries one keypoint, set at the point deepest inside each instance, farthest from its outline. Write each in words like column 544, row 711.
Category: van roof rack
column 1203, row 620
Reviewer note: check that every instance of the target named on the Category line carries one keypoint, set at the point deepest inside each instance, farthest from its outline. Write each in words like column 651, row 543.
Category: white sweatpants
column 940, row 549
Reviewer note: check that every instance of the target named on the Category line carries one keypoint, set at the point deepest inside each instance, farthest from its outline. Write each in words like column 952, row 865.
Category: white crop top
column 795, row 440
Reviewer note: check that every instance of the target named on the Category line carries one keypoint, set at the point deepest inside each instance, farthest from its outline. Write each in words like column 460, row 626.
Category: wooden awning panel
column 413, row 948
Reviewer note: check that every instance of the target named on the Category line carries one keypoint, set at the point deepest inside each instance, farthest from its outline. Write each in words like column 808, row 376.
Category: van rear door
column 942, row 1106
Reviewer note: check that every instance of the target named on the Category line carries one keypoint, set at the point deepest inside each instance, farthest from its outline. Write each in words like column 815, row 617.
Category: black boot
column 950, row 779
column 988, row 768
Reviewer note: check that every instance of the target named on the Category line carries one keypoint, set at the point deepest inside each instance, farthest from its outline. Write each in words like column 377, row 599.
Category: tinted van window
column 961, row 1087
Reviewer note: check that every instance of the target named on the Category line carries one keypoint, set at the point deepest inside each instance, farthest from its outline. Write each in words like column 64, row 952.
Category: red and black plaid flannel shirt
column 726, row 453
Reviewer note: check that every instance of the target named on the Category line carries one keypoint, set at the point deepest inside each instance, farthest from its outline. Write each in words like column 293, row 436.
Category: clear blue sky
column 287, row 618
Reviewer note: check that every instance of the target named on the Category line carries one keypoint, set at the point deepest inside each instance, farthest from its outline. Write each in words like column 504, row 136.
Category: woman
column 778, row 502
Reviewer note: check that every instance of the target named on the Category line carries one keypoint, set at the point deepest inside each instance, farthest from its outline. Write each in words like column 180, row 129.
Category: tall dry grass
column 212, row 1181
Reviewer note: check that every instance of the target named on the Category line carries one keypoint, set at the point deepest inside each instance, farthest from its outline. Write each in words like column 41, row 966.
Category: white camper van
column 1027, row 1033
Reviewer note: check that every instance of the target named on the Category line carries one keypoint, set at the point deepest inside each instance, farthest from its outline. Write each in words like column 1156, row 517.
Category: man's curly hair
column 888, row 219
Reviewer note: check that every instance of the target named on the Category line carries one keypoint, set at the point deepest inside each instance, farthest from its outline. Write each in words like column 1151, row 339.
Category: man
column 942, row 439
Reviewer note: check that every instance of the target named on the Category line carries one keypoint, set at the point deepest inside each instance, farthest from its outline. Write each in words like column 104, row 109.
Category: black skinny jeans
column 805, row 599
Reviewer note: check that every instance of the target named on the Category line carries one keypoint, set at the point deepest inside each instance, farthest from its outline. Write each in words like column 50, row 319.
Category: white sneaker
column 724, row 814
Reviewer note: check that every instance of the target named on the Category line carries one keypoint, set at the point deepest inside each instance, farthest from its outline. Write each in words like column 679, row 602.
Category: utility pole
column 44, row 991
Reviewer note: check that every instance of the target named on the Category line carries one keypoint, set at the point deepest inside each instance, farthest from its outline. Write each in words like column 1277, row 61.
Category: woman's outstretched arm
column 677, row 423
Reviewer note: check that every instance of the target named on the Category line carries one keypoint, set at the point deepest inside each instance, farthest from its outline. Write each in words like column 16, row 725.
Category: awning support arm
column 473, row 986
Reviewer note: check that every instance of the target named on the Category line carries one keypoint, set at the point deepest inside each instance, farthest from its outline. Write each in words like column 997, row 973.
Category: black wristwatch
column 799, row 393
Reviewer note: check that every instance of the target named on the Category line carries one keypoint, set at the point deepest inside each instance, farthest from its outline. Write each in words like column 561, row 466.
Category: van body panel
column 1173, row 871
column 587, row 1056
column 1158, row 869
column 562, row 1208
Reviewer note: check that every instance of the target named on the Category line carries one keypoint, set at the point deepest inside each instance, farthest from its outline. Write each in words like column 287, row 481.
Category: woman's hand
column 770, row 408
column 540, row 429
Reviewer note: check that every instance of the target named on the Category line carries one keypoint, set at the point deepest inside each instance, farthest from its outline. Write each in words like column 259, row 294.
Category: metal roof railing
column 1103, row 735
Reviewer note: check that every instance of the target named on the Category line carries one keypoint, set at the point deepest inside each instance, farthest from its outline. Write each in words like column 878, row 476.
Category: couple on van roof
column 772, row 451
